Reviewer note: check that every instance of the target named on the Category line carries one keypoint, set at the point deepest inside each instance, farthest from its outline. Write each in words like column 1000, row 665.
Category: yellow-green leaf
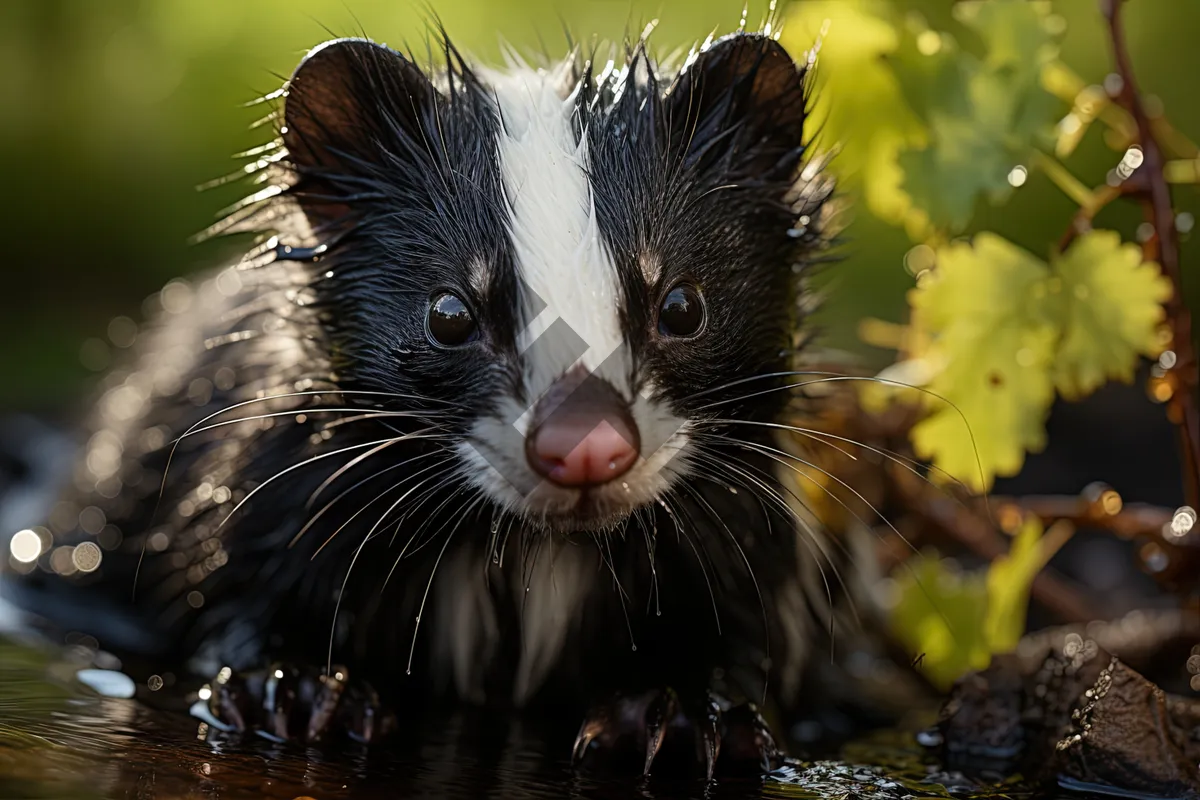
column 983, row 112
column 993, row 337
column 1010, row 580
column 959, row 620
column 938, row 612
column 964, row 160
column 857, row 104
column 1111, row 309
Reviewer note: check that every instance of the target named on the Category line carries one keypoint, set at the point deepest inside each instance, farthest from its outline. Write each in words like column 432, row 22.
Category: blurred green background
column 113, row 111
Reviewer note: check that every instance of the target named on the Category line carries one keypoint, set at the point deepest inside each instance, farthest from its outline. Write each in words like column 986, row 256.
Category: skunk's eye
column 449, row 322
column 682, row 312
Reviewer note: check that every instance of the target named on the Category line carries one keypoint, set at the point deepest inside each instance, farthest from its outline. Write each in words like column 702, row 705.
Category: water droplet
column 122, row 331
column 108, row 683
column 25, row 546
column 612, row 465
column 1182, row 523
column 86, row 557
column 929, row 42
column 1154, row 557
column 634, row 648
column 1132, row 159
column 929, row 738
column 289, row 253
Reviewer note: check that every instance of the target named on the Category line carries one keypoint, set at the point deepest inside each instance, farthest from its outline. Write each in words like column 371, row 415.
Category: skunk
column 494, row 411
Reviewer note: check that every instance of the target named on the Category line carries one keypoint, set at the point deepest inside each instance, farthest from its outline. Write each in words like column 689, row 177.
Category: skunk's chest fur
column 494, row 405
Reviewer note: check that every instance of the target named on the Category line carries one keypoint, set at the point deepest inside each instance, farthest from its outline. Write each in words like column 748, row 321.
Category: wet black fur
column 397, row 176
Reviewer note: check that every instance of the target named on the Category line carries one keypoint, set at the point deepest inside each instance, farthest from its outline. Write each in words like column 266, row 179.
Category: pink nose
column 571, row 456
column 582, row 433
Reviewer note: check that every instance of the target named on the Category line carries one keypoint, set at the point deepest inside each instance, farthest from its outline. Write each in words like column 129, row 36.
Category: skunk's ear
column 351, row 107
column 739, row 107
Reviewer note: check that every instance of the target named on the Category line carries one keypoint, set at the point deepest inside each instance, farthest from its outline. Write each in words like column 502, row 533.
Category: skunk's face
column 580, row 271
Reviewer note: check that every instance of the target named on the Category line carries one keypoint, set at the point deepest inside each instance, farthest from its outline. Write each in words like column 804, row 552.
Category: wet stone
column 1083, row 721
column 1128, row 734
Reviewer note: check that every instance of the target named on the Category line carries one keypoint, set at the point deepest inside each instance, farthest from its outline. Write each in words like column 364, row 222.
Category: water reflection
column 60, row 741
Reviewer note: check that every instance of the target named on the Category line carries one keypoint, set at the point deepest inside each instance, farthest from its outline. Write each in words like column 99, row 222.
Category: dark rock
column 1082, row 720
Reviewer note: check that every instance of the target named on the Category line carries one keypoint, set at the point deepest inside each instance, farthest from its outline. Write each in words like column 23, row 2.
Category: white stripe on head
column 572, row 313
column 559, row 253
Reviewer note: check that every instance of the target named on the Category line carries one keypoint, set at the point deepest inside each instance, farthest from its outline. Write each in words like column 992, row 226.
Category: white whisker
column 304, row 463
column 313, row 520
column 378, row 497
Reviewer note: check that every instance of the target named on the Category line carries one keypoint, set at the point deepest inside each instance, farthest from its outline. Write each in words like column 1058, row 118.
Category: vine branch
column 975, row 531
column 1164, row 248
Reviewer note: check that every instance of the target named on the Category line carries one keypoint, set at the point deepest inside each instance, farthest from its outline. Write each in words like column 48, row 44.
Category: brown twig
column 1159, row 213
column 1132, row 521
column 1081, row 223
column 975, row 531
column 1139, row 522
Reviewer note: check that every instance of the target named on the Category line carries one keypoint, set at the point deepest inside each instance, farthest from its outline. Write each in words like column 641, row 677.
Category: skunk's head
column 585, row 264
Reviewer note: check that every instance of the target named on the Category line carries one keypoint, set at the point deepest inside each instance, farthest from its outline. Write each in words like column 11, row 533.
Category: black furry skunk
column 489, row 414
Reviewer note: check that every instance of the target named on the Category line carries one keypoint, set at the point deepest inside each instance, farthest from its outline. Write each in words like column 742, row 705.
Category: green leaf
column 1111, row 311
column 1016, row 33
column 945, row 179
column 922, row 126
column 939, row 613
column 1010, row 580
column 1005, row 329
column 1020, row 41
column 993, row 345
column 959, row 620
column 858, row 106
column 983, row 113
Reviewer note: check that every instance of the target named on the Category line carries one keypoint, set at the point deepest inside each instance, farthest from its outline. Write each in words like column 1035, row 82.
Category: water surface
column 59, row 740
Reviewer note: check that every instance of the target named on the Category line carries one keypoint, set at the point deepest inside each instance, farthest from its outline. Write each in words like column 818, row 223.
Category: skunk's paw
column 678, row 734
column 285, row 702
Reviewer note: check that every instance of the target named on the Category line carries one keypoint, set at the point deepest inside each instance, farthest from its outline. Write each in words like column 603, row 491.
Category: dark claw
column 748, row 739
column 362, row 715
column 597, row 722
column 735, row 740
column 325, row 706
column 279, row 694
column 708, row 738
column 230, row 700
column 659, row 714
column 588, row 731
